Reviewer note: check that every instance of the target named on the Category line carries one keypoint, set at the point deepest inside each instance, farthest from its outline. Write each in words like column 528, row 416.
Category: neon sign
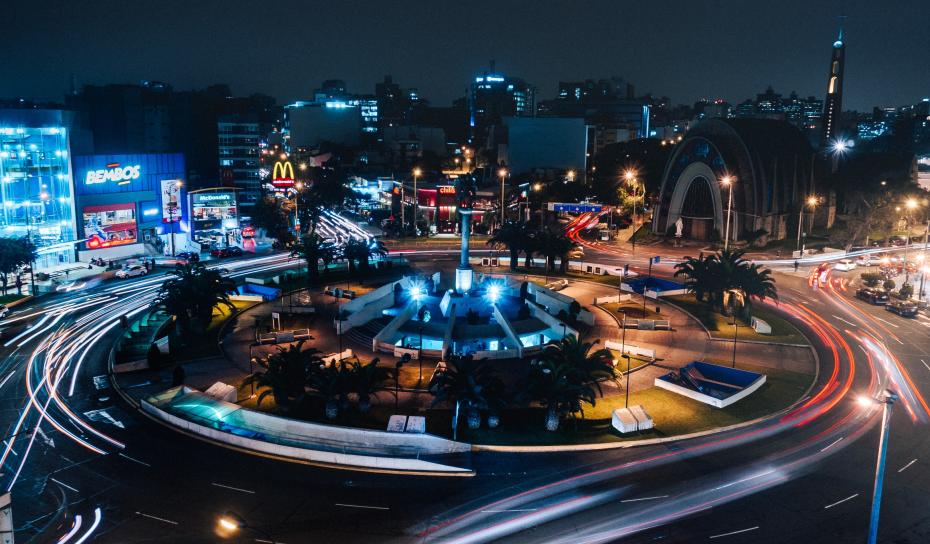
column 447, row 190
column 113, row 172
column 283, row 174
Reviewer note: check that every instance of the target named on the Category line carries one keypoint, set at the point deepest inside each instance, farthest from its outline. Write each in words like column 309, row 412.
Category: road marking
column 835, row 442
column 925, row 364
column 362, row 506
column 645, row 498
column 898, row 341
column 263, row 541
column 157, row 518
column 735, row 532
column 510, row 510
column 10, row 375
column 76, row 491
column 885, row 322
column 849, row 498
column 233, row 488
column 753, row 477
column 121, row 454
column 907, row 466
column 844, row 321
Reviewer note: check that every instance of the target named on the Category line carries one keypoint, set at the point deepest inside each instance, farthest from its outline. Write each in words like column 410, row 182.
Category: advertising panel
column 109, row 226
column 171, row 200
column 214, row 210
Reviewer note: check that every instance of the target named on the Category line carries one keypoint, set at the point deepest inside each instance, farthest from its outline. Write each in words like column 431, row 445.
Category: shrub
column 888, row 285
column 871, row 279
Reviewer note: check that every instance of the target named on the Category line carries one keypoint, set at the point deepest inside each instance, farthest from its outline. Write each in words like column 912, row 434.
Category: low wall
column 613, row 298
column 499, row 354
column 630, row 349
column 385, row 334
column 551, row 321
column 420, row 444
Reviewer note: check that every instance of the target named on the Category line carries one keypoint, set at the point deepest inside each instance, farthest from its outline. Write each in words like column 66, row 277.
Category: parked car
column 231, row 251
column 872, row 296
column 845, row 265
column 576, row 252
column 131, row 271
column 4, row 311
column 864, row 260
column 189, row 256
column 904, row 308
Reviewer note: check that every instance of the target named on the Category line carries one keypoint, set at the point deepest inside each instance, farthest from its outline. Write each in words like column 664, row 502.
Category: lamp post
column 624, row 354
column 171, row 209
column 416, row 199
column 297, row 188
column 503, row 175
column 887, row 402
column 728, row 181
column 911, row 204
column 811, row 201
column 630, row 177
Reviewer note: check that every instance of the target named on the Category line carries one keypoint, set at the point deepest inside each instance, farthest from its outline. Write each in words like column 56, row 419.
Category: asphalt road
column 804, row 477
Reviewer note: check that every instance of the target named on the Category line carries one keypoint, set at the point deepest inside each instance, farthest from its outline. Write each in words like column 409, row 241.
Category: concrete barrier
column 613, row 298
column 761, row 326
column 260, row 432
column 630, row 349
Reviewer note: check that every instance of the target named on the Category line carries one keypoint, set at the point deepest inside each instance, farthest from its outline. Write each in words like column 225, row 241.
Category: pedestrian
column 796, row 265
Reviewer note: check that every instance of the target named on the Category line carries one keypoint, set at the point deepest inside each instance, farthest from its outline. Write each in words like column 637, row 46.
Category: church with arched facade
column 771, row 164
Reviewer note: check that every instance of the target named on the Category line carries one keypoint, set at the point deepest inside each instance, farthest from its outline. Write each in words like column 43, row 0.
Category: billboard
column 171, row 200
column 214, row 210
column 110, row 225
column 283, row 174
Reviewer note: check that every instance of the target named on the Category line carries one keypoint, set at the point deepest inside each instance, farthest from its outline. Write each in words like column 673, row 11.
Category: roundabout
column 663, row 487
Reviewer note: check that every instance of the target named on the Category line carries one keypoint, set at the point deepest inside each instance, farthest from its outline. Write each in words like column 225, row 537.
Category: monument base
column 463, row 279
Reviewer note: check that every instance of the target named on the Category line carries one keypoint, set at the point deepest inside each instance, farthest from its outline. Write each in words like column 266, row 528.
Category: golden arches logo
column 283, row 171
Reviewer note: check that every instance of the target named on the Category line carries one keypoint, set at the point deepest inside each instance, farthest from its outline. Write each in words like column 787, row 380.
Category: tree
column 469, row 385
column 717, row 277
column 192, row 295
column 331, row 382
column 284, row 374
column 367, row 380
column 511, row 237
column 15, row 253
column 530, row 243
column 553, row 386
column 588, row 365
column 906, row 291
column 871, row 279
column 888, row 285
column 554, row 244
column 271, row 214
column 313, row 248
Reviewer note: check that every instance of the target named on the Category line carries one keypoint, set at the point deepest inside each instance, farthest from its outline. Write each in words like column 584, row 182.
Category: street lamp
column 887, row 402
column 629, row 175
column 811, row 201
column 171, row 210
column 298, row 187
column 910, row 204
column 416, row 199
column 728, row 180
column 503, row 174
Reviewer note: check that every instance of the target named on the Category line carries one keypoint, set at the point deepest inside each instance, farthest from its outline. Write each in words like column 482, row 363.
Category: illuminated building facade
column 493, row 96
column 833, row 103
column 36, row 186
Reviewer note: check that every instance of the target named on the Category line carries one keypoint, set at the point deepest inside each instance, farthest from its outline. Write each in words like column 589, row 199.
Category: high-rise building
column 239, row 139
column 493, row 96
column 833, row 103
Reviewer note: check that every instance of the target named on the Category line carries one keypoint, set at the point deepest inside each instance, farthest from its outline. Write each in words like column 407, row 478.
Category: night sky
column 682, row 49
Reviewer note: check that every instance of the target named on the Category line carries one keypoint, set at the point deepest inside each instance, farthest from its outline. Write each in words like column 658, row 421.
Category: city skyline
column 294, row 55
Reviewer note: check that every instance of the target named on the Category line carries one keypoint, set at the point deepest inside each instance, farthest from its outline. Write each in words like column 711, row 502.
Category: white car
column 864, row 260
column 131, row 271
column 4, row 311
column 845, row 265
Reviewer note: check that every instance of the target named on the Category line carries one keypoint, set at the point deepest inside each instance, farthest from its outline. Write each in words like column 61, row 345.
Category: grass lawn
column 554, row 275
column 6, row 299
column 721, row 326
column 673, row 415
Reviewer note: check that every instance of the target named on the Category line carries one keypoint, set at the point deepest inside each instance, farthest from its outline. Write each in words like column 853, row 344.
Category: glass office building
column 36, row 188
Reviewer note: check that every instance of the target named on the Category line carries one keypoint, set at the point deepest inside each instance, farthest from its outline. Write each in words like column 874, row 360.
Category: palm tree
column 554, row 386
column 313, row 248
column 285, row 374
column 756, row 283
column 332, row 382
column 530, row 243
column 698, row 272
column 587, row 366
column 718, row 276
column 193, row 294
column 367, row 380
column 470, row 385
column 554, row 244
column 509, row 236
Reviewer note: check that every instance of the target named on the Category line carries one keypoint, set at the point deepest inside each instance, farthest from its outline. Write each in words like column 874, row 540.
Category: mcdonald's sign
column 283, row 174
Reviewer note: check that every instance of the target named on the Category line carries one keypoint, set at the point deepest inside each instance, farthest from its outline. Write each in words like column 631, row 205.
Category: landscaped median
column 721, row 326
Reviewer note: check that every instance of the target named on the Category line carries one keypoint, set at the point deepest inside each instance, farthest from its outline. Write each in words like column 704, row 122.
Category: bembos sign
column 113, row 172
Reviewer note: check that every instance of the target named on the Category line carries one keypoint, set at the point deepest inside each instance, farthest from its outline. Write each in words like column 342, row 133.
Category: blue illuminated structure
column 35, row 183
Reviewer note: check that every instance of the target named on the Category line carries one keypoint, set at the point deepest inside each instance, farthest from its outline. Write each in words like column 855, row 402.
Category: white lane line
column 646, row 498
column 925, row 364
column 850, row 323
column 509, row 510
column 121, row 454
column 886, row 322
column 263, row 541
column 64, row 485
column 362, row 506
column 156, row 518
column 753, row 477
column 907, row 466
column 10, row 375
column 849, row 498
column 835, row 442
column 233, row 488
column 735, row 532
column 898, row 341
